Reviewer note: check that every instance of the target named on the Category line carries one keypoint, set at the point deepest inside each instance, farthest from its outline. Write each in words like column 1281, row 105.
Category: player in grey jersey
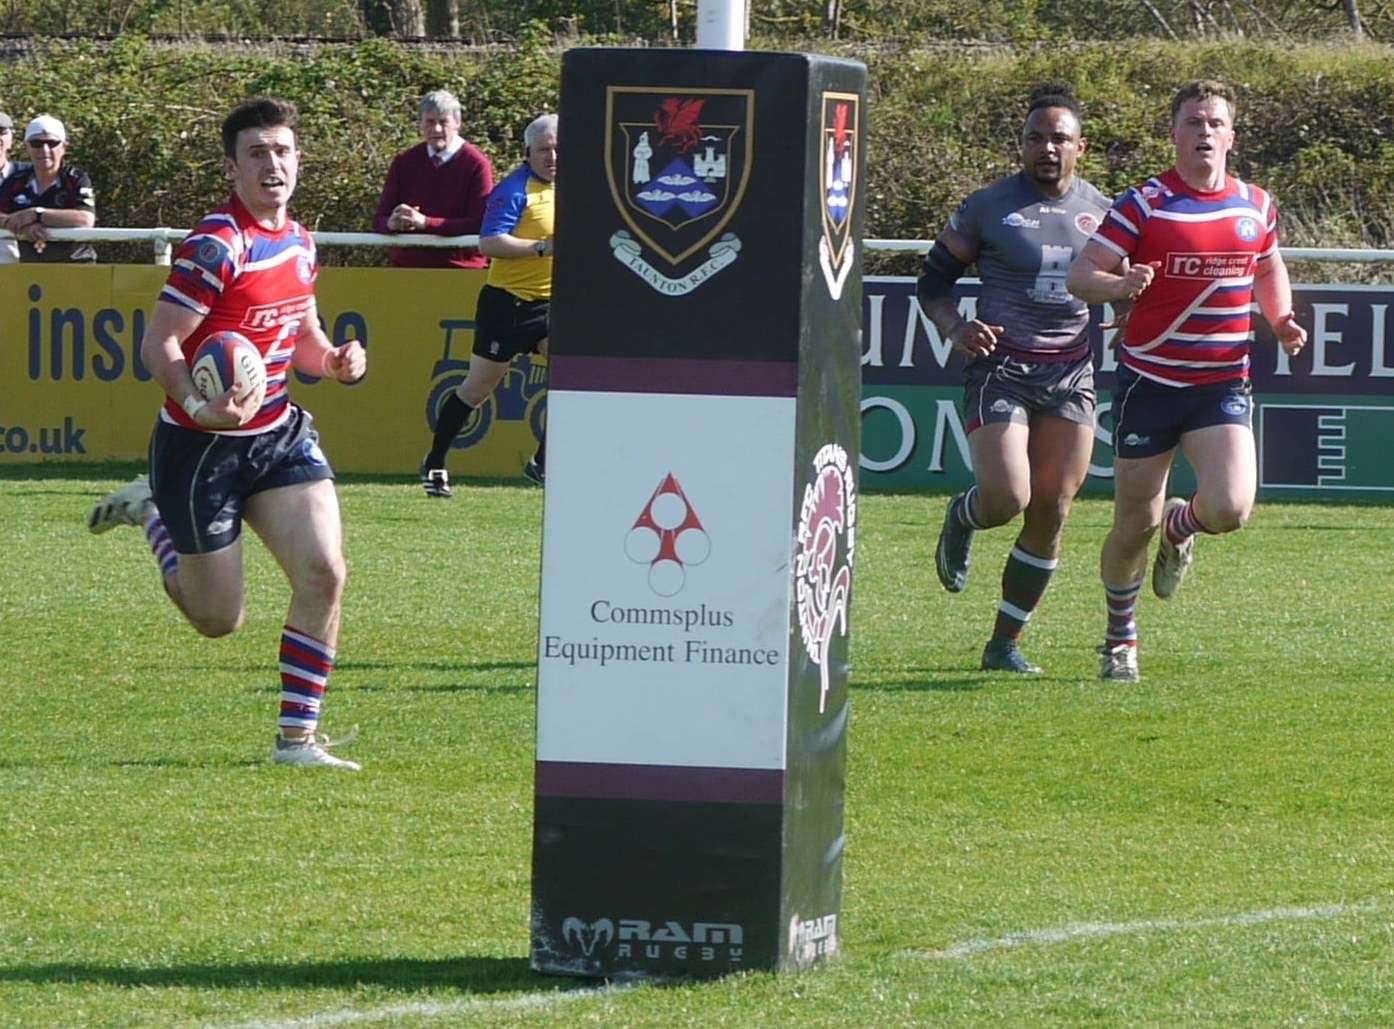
column 1029, row 379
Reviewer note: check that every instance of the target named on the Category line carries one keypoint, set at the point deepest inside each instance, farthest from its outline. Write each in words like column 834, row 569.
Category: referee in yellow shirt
column 511, row 315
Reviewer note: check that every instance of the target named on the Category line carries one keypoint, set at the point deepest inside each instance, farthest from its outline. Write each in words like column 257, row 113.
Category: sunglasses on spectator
column 44, row 144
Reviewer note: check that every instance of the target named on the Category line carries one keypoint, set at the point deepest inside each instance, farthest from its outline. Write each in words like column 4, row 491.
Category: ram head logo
column 588, row 935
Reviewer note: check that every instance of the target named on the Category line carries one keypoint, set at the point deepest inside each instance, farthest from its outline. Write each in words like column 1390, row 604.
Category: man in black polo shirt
column 45, row 195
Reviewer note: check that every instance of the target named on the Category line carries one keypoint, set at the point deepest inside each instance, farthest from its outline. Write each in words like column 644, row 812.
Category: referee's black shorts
column 506, row 326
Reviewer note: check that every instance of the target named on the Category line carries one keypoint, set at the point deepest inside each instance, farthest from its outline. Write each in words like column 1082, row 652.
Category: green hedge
column 1316, row 123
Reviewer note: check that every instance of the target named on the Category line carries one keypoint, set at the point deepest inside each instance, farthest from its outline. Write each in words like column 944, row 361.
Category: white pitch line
column 430, row 1009
column 1095, row 930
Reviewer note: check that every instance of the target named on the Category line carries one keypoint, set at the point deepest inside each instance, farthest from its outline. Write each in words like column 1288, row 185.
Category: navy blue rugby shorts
column 1150, row 418
column 201, row 480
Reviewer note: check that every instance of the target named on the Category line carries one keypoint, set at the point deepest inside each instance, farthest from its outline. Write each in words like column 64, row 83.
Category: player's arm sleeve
column 945, row 263
column 387, row 202
column 1121, row 228
column 952, row 253
column 1270, row 228
column 202, row 268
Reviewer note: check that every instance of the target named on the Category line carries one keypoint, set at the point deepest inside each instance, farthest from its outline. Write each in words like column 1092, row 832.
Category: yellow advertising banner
column 72, row 386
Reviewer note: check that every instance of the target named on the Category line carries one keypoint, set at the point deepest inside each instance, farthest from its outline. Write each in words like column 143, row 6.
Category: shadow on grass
column 434, row 666
column 453, row 687
column 203, row 764
column 472, row 974
column 119, row 471
column 920, row 680
column 374, row 666
column 48, row 493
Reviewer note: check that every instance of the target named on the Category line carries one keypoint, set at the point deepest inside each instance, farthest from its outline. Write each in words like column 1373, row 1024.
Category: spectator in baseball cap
column 48, row 195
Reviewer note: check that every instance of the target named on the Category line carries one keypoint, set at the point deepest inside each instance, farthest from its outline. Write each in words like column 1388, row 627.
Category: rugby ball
column 229, row 360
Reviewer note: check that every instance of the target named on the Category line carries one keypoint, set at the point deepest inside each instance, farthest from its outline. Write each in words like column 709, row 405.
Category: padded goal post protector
column 699, row 527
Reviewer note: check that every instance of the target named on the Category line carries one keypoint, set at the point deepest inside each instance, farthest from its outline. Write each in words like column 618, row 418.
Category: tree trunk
column 1157, row 17
column 409, row 18
column 1353, row 16
column 673, row 19
column 442, row 19
column 377, row 19
column 832, row 18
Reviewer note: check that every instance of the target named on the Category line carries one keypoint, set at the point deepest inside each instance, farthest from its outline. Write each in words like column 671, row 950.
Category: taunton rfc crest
column 678, row 163
column 837, row 179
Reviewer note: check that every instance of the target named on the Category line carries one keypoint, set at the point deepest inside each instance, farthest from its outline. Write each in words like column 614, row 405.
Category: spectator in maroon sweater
column 438, row 186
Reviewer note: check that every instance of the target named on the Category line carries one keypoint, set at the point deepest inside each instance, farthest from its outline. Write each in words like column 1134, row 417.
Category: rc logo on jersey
column 668, row 537
column 837, row 178
column 678, row 163
column 1246, row 229
column 1087, row 222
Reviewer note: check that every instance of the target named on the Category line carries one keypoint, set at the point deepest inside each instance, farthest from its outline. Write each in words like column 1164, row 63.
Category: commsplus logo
column 822, row 580
column 668, row 536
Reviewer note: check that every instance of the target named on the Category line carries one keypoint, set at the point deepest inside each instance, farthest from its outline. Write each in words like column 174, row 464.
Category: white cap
column 48, row 126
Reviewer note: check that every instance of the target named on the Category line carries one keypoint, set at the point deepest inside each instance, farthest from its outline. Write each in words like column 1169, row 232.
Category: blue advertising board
column 1322, row 419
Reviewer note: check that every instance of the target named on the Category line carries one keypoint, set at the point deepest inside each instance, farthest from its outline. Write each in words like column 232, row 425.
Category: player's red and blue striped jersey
column 250, row 279
column 1191, row 325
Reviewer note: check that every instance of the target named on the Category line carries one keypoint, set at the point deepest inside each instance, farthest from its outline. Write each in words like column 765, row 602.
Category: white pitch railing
column 1329, row 254
column 163, row 240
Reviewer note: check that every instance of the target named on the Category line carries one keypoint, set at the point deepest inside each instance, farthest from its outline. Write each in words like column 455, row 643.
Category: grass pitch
column 1213, row 845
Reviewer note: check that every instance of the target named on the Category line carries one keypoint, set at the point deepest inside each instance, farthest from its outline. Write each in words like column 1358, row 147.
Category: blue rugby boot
column 1002, row 655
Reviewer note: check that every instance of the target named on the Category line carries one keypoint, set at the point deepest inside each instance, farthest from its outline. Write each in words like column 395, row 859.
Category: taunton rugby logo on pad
column 837, row 178
column 678, row 163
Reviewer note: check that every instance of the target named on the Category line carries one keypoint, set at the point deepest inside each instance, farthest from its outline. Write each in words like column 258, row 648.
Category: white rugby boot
column 123, row 506
column 1172, row 561
column 1118, row 663
column 313, row 752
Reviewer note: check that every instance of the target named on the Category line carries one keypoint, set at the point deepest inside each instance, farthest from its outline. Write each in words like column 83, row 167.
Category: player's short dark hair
column 1054, row 94
column 1204, row 89
column 262, row 112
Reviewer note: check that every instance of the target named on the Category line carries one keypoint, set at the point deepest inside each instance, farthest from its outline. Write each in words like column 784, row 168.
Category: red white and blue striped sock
column 1122, row 605
column 1181, row 524
column 157, row 536
column 305, row 666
